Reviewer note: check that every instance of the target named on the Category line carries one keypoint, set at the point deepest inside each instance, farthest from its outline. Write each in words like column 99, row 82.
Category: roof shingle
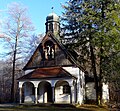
column 50, row 72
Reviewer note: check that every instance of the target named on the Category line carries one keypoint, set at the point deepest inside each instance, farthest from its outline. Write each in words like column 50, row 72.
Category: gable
column 50, row 52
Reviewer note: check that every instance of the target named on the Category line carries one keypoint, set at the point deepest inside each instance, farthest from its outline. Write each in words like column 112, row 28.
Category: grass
column 53, row 108
column 88, row 107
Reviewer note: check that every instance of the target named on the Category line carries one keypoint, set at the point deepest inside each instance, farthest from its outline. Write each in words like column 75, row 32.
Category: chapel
column 52, row 74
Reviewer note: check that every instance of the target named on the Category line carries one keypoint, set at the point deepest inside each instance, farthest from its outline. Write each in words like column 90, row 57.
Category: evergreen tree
column 94, row 27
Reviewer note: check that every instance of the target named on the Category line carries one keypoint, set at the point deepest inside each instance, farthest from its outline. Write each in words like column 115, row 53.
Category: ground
column 10, row 107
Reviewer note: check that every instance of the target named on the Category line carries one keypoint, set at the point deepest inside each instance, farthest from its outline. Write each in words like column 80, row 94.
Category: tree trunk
column 95, row 73
column 13, row 73
column 100, row 75
column 101, row 59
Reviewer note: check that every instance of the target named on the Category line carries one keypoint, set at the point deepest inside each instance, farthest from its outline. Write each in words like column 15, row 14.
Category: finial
column 52, row 9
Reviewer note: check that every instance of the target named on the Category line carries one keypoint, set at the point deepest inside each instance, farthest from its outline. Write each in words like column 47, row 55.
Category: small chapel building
column 52, row 75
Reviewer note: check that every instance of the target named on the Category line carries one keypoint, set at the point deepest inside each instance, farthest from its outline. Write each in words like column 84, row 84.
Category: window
column 51, row 27
column 66, row 89
column 49, row 50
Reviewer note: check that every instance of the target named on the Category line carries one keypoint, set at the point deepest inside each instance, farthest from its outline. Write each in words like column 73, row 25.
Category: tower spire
column 53, row 23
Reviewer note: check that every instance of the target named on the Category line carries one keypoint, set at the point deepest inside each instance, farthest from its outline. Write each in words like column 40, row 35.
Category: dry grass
column 89, row 107
column 52, row 108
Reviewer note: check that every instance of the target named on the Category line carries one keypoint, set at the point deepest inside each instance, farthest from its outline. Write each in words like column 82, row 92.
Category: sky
column 37, row 10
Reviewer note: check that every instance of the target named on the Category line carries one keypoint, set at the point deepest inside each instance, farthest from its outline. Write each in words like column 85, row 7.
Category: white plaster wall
column 73, row 93
column 81, row 85
column 75, row 71
column 72, row 70
column 105, row 94
column 60, row 97
column 21, row 84
column 90, row 91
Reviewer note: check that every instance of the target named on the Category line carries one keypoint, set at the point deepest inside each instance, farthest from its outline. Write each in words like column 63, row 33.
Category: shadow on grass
column 51, row 107
column 36, row 108
column 54, row 107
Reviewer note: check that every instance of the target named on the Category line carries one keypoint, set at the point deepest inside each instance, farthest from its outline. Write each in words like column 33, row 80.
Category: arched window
column 66, row 89
column 49, row 49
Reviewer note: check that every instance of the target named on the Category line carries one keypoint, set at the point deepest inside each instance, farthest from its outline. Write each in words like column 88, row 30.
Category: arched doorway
column 48, row 89
column 28, row 92
column 62, row 92
column 45, row 92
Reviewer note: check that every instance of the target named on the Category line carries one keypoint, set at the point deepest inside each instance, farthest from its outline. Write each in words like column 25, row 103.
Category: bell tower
column 53, row 24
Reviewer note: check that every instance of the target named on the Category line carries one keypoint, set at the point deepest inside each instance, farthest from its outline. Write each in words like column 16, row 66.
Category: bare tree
column 32, row 44
column 17, row 27
column 5, row 81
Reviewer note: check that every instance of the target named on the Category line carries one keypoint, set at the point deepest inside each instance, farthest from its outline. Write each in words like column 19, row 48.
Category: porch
column 61, row 91
column 60, row 88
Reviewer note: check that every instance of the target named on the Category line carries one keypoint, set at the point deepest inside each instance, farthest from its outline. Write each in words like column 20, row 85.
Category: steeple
column 53, row 23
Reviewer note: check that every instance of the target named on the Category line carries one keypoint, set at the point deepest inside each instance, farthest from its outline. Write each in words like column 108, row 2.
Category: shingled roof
column 50, row 72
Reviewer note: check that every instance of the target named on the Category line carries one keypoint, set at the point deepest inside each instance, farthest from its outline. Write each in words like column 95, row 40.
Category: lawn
column 53, row 108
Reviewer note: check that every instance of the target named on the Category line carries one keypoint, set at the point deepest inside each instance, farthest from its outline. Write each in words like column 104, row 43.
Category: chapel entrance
column 45, row 92
column 48, row 89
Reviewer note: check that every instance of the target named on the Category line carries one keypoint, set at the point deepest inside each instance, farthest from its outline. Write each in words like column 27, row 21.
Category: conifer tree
column 94, row 27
